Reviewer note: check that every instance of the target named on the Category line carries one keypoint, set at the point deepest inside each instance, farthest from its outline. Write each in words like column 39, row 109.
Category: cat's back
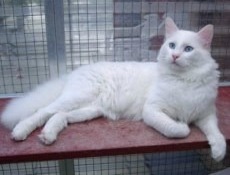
column 121, row 87
column 135, row 77
column 112, row 71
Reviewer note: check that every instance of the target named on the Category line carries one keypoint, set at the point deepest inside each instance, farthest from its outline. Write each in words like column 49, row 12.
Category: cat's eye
column 188, row 48
column 172, row 45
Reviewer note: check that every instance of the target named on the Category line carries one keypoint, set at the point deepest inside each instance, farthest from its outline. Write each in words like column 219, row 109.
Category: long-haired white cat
column 179, row 89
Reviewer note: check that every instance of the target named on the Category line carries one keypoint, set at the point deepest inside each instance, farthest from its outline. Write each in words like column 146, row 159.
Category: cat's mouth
column 174, row 62
column 177, row 65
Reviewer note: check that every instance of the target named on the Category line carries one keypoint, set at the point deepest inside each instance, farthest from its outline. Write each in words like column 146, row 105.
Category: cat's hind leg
column 60, row 120
column 164, row 124
column 25, row 127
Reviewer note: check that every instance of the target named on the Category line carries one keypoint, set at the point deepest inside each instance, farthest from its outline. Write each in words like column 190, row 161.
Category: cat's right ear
column 170, row 27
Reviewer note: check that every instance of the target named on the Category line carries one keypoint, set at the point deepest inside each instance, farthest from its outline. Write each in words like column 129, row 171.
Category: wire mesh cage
column 35, row 168
column 43, row 39
column 23, row 48
column 164, row 163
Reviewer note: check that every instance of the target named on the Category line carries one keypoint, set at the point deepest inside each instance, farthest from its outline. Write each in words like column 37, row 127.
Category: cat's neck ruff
column 203, row 75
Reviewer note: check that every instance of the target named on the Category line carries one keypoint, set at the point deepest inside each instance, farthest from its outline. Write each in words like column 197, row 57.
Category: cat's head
column 184, row 50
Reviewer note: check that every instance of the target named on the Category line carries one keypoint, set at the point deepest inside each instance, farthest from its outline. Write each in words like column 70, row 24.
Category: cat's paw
column 47, row 137
column 19, row 133
column 219, row 149
column 180, row 130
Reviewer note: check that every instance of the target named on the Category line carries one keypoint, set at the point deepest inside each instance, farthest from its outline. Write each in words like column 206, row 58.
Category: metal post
column 54, row 11
column 60, row 35
column 66, row 167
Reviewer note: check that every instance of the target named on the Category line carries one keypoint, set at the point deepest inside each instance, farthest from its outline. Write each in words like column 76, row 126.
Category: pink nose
column 174, row 56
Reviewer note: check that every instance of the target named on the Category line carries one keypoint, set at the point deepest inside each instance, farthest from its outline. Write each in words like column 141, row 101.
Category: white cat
column 179, row 89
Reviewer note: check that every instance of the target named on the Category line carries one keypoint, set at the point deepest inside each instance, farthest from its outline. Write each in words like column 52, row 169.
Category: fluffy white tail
column 23, row 107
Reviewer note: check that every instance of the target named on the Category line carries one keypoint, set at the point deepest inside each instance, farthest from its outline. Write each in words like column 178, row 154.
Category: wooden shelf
column 102, row 137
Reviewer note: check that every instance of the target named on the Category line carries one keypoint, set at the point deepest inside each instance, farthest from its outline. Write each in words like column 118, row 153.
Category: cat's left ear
column 206, row 35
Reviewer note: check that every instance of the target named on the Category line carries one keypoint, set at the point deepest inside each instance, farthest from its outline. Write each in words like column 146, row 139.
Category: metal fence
column 41, row 39
column 196, row 162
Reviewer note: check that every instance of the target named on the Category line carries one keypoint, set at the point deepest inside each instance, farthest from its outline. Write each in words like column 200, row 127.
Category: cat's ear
column 170, row 27
column 206, row 35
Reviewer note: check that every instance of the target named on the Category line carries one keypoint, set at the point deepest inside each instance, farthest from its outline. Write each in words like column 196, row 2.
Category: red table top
column 102, row 137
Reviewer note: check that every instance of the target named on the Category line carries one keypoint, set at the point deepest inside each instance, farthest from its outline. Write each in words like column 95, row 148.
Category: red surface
column 103, row 137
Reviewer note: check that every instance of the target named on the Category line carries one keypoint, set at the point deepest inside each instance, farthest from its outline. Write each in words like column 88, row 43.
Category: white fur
column 167, row 95
column 21, row 108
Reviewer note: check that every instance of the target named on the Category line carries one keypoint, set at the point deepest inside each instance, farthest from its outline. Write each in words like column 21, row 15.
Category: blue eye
column 188, row 48
column 172, row 45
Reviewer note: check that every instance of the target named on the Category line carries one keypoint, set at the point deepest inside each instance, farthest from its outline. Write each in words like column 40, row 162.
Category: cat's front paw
column 179, row 130
column 47, row 137
column 219, row 149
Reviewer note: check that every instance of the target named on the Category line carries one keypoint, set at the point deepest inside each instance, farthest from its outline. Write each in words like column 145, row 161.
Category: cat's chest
column 184, row 101
column 180, row 95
